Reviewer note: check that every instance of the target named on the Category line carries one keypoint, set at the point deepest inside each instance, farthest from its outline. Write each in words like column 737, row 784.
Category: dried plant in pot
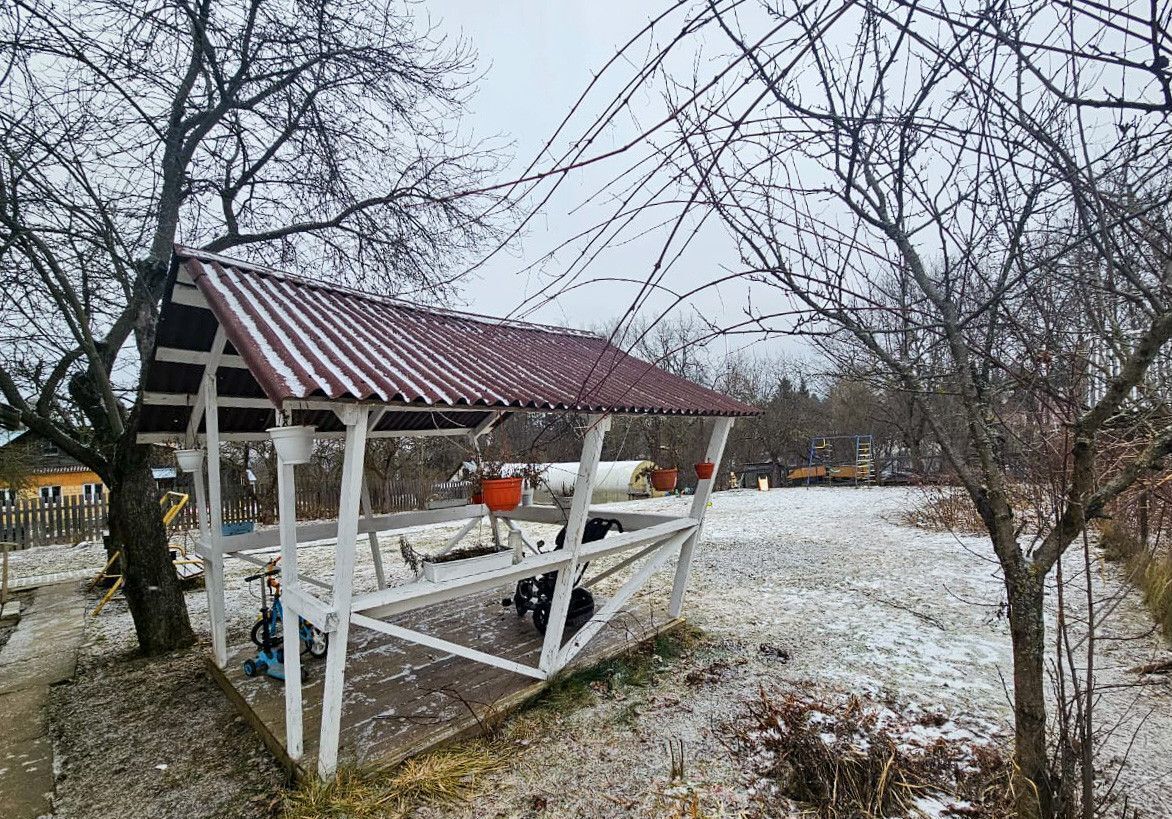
column 530, row 479
column 500, row 492
column 705, row 469
column 462, row 562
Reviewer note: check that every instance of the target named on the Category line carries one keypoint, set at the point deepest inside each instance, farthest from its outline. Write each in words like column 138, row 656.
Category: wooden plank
column 309, row 532
column 404, row 699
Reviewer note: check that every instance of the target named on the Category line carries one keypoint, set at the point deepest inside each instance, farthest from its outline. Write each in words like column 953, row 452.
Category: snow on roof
column 302, row 339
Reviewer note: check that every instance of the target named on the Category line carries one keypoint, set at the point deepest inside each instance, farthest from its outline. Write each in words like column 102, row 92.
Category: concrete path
column 40, row 652
column 36, row 581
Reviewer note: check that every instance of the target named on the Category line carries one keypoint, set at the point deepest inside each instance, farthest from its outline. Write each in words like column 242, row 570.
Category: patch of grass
column 843, row 758
column 444, row 778
column 1150, row 571
column 637, row 668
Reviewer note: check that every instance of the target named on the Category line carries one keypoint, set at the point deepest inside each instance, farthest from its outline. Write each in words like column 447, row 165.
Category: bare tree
column 312, row 135
column 961, row 202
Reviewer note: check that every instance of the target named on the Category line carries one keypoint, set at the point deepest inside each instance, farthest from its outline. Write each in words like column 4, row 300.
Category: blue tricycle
column 268, row 632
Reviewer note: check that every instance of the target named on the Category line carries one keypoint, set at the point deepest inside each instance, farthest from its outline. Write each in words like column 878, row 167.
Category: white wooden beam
column 188, row 295
column 310, row 532
column 484, row 425
column 172, row 437
column 422, row 593
column 620, row 598
column 544, row 513
column 174, row 355
column 594, row 580
column 372, row 535
column 431, row 641
column 317, row 611
column 259, row 561
column 214, row 568
column 293, row 606
column 579, row 511
column 456, row 538
column 210, row 369
column 331, row 717
column 716, row 442
column 514, row 528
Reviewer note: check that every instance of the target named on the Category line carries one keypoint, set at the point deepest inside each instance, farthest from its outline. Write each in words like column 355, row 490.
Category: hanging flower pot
column 704, row 470
column 189, row 459
column 501, row 494
column 478, row 497
column 664, row 480
column 294, row 445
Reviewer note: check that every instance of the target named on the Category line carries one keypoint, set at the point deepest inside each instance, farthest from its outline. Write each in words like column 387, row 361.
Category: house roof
column 298, row 342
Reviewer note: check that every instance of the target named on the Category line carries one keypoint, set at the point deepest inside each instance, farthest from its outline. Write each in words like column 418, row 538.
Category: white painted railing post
column 214, row 561
column 375, row 554
column 579, row 512
column 291, row 639
column 716, row 442
column 355, row 419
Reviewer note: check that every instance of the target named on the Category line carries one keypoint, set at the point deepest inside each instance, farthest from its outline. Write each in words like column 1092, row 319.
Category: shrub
column 844, row 758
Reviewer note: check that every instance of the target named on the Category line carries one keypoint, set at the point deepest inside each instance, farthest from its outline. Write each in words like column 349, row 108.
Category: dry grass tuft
column 1150, row 571
column 844, row 758
column 945, row 509
column 447, row 777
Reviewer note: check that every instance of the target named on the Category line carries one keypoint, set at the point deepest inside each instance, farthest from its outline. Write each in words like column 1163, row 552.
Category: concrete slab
column 41, row 651
column 10, row 610
column 52, row 579
column 22, row 714
column 26, row 778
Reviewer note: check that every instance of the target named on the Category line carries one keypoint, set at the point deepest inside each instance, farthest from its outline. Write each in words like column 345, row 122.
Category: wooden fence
column 66, row 519
column 37, row 522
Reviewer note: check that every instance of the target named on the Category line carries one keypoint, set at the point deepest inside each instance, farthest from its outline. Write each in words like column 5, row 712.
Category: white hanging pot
column 189, row 460
column 294, row 445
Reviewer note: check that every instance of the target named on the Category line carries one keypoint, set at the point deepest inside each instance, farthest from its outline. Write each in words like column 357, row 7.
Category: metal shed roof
column 297, row 344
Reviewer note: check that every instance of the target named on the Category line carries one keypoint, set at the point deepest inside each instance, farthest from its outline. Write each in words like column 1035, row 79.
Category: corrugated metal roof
column 302, row 339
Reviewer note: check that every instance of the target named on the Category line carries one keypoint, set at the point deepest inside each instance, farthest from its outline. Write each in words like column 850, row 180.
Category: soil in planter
column 465, row 553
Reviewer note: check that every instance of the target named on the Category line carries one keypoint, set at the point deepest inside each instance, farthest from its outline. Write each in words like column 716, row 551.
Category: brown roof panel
column 303, row 339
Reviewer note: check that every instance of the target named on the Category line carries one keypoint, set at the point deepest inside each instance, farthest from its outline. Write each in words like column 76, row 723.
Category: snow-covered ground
column 822, row 589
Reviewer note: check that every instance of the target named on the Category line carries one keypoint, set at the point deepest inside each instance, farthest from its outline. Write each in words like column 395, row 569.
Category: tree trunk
column 1032, row 780
column 136, row 525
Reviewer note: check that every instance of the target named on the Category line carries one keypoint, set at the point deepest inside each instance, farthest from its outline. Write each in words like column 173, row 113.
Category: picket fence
column 75, row 519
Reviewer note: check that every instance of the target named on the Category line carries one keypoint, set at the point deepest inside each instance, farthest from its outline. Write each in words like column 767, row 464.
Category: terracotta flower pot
column 704, row 470
column 664, row 480
column 501, row 494
column 478, row 497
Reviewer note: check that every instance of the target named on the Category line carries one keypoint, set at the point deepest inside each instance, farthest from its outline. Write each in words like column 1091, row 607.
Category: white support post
column 613, row 606
column 355, row 419
column 372, row 536
column 210, row 368
column 579, row 511
column 287, row 518
column 716, row 442
column 214, row 561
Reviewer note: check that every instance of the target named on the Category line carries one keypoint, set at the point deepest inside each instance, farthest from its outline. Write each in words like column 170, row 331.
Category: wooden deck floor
column 402, row 699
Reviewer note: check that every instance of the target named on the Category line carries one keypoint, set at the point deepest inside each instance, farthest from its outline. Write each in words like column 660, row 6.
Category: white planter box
column 439, row 572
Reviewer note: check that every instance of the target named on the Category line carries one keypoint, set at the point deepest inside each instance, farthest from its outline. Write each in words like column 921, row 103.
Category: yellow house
column 40, row 469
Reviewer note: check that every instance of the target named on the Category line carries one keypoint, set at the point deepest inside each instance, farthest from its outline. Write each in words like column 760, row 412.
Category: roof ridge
column 185, row 252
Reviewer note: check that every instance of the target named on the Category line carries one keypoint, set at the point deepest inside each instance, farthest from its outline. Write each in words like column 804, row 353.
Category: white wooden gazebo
column 243, row 350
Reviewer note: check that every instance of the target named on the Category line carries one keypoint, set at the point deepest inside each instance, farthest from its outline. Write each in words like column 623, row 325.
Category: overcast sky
column 537, row 58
